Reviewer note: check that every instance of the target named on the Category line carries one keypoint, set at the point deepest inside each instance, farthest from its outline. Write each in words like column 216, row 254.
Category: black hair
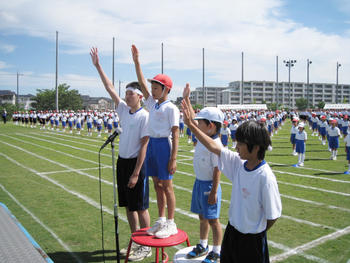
column 134, row 85
column 253, row 133
column 217, row 125
column 163, row 86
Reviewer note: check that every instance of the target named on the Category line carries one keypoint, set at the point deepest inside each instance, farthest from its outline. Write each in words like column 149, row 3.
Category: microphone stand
column 115, row 204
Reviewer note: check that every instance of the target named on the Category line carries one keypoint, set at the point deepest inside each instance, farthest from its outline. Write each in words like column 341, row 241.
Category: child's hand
column 135, row 53
column 186, row 112
column 172, row 166
column 186, row 92
column 133, row 180
column 212, row 198
column 94, row 56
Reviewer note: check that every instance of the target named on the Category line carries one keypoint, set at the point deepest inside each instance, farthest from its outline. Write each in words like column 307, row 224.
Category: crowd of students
column 148, row 147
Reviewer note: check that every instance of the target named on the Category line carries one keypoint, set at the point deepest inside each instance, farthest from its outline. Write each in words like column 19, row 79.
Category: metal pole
column 56, row 71
column 115, row 204
column 113, row 69
column 308, row 85
column 336, row 87
column 17, row 97
column 204, row 91
column 162, row 59
column 242, row 82
column 290, row 90
column 276, row 82
column 119, row 87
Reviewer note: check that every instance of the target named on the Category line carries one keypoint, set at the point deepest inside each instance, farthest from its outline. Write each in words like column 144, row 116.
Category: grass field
column 49, row 181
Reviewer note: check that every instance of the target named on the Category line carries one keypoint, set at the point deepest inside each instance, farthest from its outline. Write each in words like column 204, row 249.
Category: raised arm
column 208, row 142
column 141, row 79
column 186, row 97
column 106, row 82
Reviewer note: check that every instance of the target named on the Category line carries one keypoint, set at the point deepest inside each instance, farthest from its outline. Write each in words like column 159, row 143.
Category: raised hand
column 135, row 53
column 94, row 56
column 187, row 91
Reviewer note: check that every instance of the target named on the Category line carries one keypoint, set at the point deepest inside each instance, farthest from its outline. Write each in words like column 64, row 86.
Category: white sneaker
column 335, row 158
column 331, row 158
column 155, row 228
column 295, row 153
column 134, row 247
column 192, row 151
column 167, row 230
column 301, row 164
column 269, row 148
column 141, row 253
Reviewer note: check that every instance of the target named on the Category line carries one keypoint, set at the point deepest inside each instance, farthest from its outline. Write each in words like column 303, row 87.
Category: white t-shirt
column 333, row 131
column 205, row 161
column 301, row 135
column 254, row 198
column 134, row 127
column 161, row 118
column 294, row 129
column 225, row 131
column 347, row 140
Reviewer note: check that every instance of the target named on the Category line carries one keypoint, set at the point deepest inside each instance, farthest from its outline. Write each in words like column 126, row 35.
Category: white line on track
column 52, row 233
column 73, row 170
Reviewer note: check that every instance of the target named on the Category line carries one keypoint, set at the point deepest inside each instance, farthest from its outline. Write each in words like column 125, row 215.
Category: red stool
column 140, row 237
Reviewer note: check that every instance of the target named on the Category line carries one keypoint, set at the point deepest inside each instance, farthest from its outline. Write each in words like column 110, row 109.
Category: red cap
column 323, row 116
column 226, row 122
column 263, row 119
column 163, row 80
column 334, row 121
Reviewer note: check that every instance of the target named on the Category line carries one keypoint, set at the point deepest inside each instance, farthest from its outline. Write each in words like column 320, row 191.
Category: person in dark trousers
column 4, row 115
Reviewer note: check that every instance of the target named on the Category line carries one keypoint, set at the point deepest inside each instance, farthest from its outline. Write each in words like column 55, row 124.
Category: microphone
column 112, row 137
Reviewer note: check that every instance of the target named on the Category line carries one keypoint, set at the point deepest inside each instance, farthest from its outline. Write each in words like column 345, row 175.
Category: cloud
column 224, row 28
column 6, row 48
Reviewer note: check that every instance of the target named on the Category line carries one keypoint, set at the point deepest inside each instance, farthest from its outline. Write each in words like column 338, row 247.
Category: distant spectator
column 4, row 115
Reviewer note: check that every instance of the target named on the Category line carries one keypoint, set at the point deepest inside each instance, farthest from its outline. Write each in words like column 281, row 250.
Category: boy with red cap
column 225, row 132
column 163, row 145
column 334, row 133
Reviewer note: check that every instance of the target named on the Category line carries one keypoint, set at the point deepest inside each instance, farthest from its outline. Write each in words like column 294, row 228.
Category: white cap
column 210, row 114
column 301, row 125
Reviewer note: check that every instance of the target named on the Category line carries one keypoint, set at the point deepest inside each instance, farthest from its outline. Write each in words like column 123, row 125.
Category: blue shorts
column 188, row 132
column 70, row 124
column 224, row 139
column 333, row 142
column 300, row 146
column 57, row 123
column 109, row 127
column 194, row 139
column 345, row 130
column 105, row 124
column 63, row 124
column 182, row 126
column 51, row 121
column 269, row 128
column 199, row 203
column 99, row 127
column 323, row 131
column 348, row 153
column 78, row 125
column 115, row 124
column 89, row 125
column 275, row 124
column 157, row 158
column 292, row 138
column 314, row 125
column 233, row 135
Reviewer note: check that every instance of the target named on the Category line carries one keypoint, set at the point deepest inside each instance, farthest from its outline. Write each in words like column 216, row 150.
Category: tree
column 321, row 104
column 301, row 103
column 67, row 99
column 10, row 109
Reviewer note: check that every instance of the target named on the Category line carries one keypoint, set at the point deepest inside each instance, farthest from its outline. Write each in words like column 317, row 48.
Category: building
column 7, row 96
column 25, row 101
column 96, row 103
column 261, row 92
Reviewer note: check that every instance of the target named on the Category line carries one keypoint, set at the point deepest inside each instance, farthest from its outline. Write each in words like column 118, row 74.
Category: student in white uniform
column 300, row 139
column 133, row 187
column 255, row 200
column 334, row 134
column 162, row 149
column 206, row 194
column 347, row 151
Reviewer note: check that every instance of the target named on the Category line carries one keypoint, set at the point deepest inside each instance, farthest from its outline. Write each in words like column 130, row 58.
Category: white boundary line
column 52, row 233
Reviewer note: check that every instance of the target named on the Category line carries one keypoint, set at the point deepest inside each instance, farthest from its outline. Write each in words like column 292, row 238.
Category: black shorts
column 136, row 198
column 239, row 247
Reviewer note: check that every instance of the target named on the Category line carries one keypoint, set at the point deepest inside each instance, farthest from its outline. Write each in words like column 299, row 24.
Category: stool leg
column 188, row 242
column 127, row 253
column 157, row 255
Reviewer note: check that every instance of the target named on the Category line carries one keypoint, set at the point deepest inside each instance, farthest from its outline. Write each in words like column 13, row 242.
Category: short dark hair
column 253, row 133
column 217, row 125
column 134, row 85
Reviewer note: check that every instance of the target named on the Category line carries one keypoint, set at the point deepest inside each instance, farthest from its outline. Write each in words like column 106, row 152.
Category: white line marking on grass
column 53, row 234
column 315, row 188
column 74, row 137
column 54, row 162
column 306, row 168
column 50, row 149
column 73, row 170
column 313, row 177
column 312, row 244
column 65, row 145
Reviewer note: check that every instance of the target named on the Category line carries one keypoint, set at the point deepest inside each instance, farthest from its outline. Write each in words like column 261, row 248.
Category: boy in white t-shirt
column 163, row 145
column 347, row 151
column 206, row 194
column 255, row 200
column 133, row 186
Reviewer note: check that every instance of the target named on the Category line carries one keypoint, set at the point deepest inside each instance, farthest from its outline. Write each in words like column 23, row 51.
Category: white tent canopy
column 242, row 106
column 336, row 106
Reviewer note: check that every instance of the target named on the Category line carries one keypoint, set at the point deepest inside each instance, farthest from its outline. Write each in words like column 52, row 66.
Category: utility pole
column 242, row 81
column 307, row 81
column 113, row 70
column 56, row 71
column 204, row 91
column 162, row 60
column 17, row 97
column 336, row 86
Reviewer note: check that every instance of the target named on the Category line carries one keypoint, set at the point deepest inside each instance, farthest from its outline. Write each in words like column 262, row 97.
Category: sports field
column 49, row 181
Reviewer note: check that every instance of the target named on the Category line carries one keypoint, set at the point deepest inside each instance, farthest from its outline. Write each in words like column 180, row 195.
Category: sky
column 318, row 30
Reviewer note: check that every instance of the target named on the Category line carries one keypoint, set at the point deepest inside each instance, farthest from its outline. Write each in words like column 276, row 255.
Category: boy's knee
column 213, row 222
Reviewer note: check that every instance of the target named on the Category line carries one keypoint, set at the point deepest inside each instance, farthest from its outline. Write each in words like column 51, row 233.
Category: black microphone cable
column 101, row 208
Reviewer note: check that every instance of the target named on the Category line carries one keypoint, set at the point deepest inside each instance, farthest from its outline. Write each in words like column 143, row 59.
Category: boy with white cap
column 162, row 148
column 300, row 139
column 206, row 194
column 133, row 187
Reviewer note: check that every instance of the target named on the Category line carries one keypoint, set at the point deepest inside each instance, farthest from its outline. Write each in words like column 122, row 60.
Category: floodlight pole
column 277, row 82
column 242, row 81
column 308, row 84
column 203, row 84
column 56, row 83
column 289, row 63
column 113, row 69
column 336, row 86
column 162, row 60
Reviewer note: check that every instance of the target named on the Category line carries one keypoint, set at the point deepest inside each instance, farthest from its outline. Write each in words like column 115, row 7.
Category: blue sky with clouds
column 263, row 29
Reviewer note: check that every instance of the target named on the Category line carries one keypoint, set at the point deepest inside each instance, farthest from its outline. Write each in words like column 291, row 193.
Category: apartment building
column 261, row 92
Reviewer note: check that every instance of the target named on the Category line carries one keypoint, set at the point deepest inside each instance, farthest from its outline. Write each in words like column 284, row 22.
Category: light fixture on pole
column 289, row 63
column 307, row 85
column 336, row 86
